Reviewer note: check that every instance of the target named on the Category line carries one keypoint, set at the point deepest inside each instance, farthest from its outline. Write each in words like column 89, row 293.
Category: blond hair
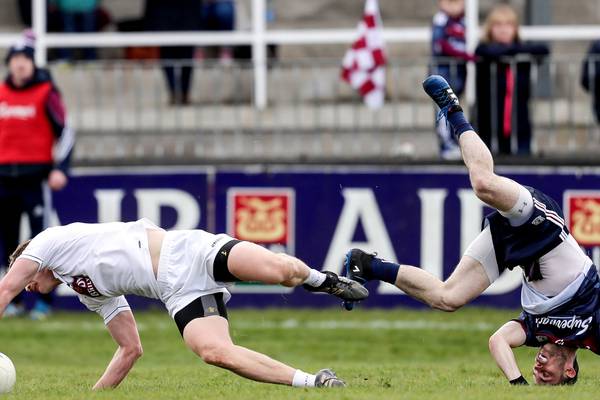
column 500, row 13
column 15, row 254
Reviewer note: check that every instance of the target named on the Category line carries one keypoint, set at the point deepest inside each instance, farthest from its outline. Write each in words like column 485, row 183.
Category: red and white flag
column 364, row 63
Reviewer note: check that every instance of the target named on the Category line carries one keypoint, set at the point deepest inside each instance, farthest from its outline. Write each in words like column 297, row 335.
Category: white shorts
column 185, row 268
column 559, row 267
column 482, row 250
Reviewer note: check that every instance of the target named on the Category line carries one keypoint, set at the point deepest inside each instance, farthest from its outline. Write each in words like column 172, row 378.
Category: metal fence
column 121, row 111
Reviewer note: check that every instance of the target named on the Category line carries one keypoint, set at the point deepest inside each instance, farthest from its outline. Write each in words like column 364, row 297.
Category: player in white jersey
column 527, row 230
column 188, row 270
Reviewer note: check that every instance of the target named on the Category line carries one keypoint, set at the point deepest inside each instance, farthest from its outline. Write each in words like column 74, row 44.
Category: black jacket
column 173, row 15
column 590, row 75
column 493, row 60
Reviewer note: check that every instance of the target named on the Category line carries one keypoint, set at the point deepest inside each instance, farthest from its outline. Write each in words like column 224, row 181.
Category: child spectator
column 503, row 82
column 448, row 48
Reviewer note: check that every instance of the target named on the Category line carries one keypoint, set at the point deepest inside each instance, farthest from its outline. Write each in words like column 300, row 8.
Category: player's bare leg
column 467, row 282
column 469, row 279
column 209, row 338
column 250, row 262
column 496, row 191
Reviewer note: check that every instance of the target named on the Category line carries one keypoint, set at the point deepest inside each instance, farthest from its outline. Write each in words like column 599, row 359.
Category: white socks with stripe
column 315, row 278
column 302, row 379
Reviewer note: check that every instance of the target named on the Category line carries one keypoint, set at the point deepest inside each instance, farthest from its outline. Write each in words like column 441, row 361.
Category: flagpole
column 472, row 39
column 39, row 30
column 259, row 53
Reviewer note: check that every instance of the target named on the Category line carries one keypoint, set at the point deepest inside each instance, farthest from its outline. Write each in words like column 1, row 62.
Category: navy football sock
column 458, row 122
column 384, row 270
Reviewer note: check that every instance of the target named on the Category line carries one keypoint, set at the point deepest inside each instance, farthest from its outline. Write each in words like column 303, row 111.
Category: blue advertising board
column 422, row 216
column 418, row 216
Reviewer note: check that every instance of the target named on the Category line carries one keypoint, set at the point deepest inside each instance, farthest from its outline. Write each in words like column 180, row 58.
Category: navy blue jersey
column 524, row 245
column 574, row 324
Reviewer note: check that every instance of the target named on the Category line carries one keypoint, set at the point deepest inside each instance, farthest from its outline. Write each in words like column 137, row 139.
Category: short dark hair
column 18, row 251
column 573, row 380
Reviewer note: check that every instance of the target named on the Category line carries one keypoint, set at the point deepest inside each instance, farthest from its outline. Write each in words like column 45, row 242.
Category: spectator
column 219, row 15
column 77, row 16
column 180, row 15
column 503, row 82
column 590, row 76
column 32, row 119
column 448, row 48
column 53, row 19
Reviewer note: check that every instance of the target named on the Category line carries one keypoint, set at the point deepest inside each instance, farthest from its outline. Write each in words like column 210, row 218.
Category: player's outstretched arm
column 124, row 331
column 13, row 283
column 501, row 343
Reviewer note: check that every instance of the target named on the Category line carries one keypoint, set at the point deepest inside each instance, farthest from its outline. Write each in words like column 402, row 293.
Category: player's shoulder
column 440, row 18
column 58, row 229
column 60, row 232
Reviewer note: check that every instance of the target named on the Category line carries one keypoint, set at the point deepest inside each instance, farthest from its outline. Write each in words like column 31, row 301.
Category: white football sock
column 302, row 379
column 315, row 278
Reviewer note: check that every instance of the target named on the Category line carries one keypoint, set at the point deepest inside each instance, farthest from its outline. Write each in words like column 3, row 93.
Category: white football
column 8, row 375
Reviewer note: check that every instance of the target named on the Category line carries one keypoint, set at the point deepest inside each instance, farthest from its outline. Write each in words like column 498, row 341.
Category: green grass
column 381, row 354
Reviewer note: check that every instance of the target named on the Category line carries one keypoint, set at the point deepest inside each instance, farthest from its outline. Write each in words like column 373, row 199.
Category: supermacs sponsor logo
column 19, row 112
column 574, row 322
column 262, row 215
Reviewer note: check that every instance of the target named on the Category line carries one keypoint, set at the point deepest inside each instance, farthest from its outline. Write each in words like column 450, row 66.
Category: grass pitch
column 397, row 354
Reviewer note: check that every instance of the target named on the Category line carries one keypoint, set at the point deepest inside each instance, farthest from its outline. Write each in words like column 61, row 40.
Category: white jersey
column 101, row 262
column 564, row 268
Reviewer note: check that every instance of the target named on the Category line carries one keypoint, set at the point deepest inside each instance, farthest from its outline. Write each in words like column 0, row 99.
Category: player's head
column 501, row 25
column 43, row 281
column 18, row 251
column 454, row 8
column 555, row 365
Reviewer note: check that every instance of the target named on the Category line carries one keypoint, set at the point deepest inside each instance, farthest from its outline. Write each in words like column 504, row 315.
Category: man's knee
column 448, row 301
column 450, row 304
column 218, row 354
column 281, row 269
column 483, row 185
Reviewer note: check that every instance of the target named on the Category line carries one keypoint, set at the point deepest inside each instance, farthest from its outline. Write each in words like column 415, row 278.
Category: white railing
column 259, row 37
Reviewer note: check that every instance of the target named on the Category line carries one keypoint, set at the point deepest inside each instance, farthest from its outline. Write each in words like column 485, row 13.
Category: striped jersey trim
column 553, row 217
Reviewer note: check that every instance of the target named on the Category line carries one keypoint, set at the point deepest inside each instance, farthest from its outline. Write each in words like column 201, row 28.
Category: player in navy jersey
column 526, row 230
column 558, row 333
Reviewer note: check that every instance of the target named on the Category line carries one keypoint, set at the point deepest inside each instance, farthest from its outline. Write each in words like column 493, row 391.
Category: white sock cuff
column 522, row 210
column 315, row 278
column 302, row 379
